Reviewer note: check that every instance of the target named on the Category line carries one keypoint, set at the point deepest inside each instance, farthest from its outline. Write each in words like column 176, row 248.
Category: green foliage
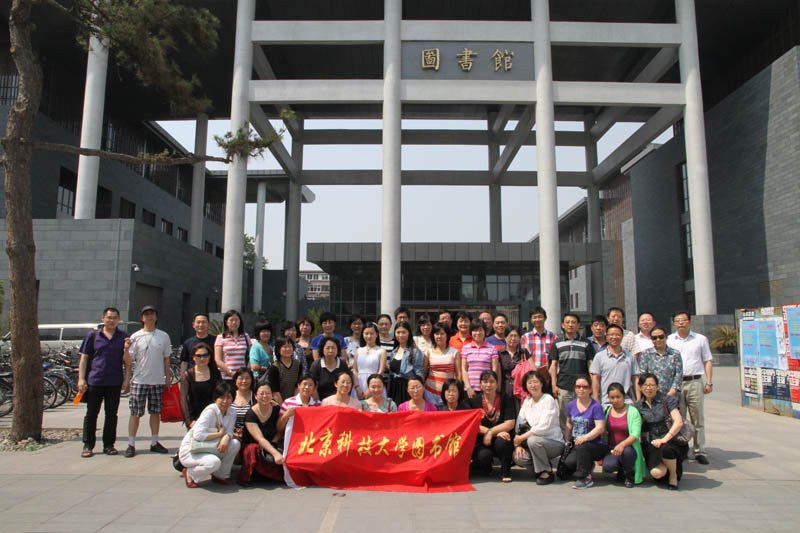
column 250, row 253
column 246, row 143
column 313, row 314
column 145, row 37
column 215, row 327
column 724, row 337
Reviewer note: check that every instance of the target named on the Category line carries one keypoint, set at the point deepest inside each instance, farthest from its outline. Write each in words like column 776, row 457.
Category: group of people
column 555, row 404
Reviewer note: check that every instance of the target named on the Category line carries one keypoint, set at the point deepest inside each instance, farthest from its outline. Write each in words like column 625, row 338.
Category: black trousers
column 581, row 457
column 483, row 455
column 94, row 397
column 621, row 463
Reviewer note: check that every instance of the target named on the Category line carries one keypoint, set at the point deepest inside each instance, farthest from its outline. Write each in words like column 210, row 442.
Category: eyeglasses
column 581, row 386
column 648, row 385
column 658, row 337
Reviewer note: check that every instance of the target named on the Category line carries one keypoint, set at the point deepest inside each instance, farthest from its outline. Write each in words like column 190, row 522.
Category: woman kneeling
column 663, row 455
column 539, row 439
column 262, row 452
column 624, row 426
column 214, row 425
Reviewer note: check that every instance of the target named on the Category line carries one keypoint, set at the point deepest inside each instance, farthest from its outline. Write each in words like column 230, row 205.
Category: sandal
column 110, row 451
column 87, row 453
column 506, row 480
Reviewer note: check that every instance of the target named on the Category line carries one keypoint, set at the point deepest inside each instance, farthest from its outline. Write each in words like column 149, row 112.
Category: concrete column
column 549, row 270
column 391, row 183
column 495, row 202
column 595, row 270
column 291, row 246
column 237, row 170
column 198, row 182
column 292, row 259
column 258, row 266
column 696, row 162
column 94, row 99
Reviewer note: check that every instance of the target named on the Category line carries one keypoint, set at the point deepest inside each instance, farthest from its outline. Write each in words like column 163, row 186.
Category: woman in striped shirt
column 230, row 348
column 442, row 362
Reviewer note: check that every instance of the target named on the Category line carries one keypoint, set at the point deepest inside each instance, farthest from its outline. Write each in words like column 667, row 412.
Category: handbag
column 268, row 456
column 171, row 405
column 687, row 431
column 563, row 472
column 206, row 446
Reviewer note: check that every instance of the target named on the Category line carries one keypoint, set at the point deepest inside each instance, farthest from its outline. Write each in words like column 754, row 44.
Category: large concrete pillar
column 237, row 170
column 593, row 214
column 495, row 202
column 198, row 182
column 94, row 99
column 705, row 289
column 391, row 183
column 549, row 270
column 258, row 265
column 291, row 245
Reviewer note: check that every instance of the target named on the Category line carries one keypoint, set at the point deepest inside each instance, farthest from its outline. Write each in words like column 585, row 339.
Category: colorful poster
column 794, row 386
column 749, row 342
column 751, row 386
column 768, row 385
column 782, row 391
column 767, row 343
column 342, row 448
column 791, row 314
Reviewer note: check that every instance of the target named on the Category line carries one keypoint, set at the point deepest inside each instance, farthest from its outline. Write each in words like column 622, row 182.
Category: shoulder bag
column 206, row 446
column 687, row 431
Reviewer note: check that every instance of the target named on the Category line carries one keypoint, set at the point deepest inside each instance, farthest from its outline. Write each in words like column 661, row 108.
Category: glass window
column 127, row 209
column 149, row 218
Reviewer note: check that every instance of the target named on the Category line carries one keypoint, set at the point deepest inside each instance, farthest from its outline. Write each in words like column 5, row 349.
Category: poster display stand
column 769, row 359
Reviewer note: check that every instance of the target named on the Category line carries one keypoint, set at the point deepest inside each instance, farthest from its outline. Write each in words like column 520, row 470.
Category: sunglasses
column 206, row 354
column 658, row 337
column 581, row 386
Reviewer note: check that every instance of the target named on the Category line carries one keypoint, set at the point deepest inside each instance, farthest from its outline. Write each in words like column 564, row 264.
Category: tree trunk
column 26, row 357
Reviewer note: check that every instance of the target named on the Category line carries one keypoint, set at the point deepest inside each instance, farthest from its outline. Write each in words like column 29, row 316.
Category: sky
column 429, row 213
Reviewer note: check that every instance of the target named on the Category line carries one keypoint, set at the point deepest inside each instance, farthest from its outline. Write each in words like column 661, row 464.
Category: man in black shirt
column 570, row 357
column 200, row 324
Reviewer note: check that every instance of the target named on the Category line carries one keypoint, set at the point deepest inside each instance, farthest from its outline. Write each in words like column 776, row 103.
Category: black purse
column 268, row 456
column 563, row 472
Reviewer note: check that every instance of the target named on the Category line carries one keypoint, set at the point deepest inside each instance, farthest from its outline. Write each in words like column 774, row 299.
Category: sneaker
column 584, row 483
column 545, row 478
column 628, row 483
column 130, row 451
column 702, row 459
column 158, row 448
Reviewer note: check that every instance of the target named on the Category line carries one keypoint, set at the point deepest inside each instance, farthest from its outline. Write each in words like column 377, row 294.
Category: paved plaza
column 752, row 483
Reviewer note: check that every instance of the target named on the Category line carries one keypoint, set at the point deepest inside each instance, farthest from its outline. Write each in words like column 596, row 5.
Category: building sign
column 462, row 60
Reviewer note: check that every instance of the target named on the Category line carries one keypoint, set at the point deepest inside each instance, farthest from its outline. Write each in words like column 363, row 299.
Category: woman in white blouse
column 539, row 439
column 215, row 422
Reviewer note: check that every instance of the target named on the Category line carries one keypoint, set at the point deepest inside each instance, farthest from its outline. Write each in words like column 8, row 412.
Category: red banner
column 343, row 448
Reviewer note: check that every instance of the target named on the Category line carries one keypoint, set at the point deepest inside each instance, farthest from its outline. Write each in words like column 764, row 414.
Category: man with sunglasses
column 664, row 362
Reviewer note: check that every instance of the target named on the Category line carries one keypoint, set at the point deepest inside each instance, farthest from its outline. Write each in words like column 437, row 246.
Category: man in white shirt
column 150, row 350
column 697, row 362
column 646, row 323
column 616, row 315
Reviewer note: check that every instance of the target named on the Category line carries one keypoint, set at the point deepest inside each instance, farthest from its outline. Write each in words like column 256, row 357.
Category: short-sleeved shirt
column 234, row 352
column 282, row 378
column 457, row 343
column 106, row 369
column 583, row 422
column 694, row 350
column 479, row 358
column 506, row 410
column 317, row 341
column 269, row 428
column 573, row 356
column 326, row 377
column 597, row 346
column 148, row 351
column 629, row 343
column 296, row 402
column 612, row 369
column 643, row 342
column 538, row 345
column 668, row 368
column 259, row 356
column 499, row 344
column 654, row 419
column 191, row 342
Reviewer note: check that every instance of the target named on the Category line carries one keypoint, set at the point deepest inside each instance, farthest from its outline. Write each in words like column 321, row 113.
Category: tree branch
column 142, row 159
